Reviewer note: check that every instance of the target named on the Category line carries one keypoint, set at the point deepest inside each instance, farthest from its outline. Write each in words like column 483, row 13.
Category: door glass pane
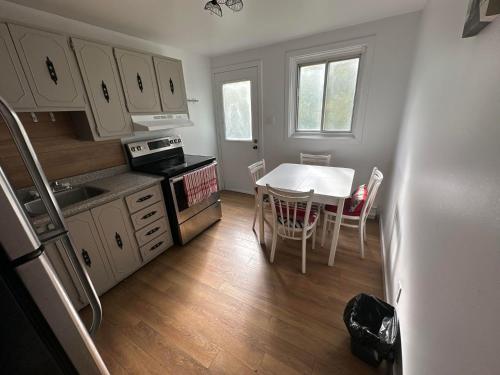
column 237, row 101
column 310, row 106
column 340, row 93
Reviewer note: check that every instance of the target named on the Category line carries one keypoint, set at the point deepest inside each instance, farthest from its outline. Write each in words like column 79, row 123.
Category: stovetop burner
column 164, row 156
column 174, row 166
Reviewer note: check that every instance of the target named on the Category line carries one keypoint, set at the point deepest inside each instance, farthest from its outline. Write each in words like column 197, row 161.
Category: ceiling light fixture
column 214, row 6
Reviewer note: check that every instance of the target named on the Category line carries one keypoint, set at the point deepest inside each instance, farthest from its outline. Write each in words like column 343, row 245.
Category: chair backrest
column 257, row 170
column 373, row 186
column 291, row 210
column 315, row 159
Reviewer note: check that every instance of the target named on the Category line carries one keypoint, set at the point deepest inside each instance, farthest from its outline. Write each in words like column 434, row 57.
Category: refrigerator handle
column 35, row 170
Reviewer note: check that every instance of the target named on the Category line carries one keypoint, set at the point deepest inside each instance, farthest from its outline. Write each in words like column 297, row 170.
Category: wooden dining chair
column 355, row 214
column 294, row 217
column 256, row 171
column 311, row 159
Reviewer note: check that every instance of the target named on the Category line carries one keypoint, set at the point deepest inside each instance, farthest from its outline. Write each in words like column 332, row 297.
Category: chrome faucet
column 58, row 186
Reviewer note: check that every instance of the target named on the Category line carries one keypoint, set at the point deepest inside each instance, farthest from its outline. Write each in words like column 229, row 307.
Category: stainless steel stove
column 165, row 157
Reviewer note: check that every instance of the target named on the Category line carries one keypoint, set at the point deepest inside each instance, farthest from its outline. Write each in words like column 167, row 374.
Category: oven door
column 193, row 220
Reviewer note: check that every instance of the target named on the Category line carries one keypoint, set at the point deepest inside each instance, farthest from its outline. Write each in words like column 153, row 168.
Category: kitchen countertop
column 116, row 186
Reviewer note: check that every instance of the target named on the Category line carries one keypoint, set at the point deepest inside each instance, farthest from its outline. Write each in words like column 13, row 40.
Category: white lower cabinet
column 108, row 245
column 113, row 223
column 90, row 251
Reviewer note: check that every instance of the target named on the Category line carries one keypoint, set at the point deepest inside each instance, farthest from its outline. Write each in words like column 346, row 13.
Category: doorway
column 237, row 115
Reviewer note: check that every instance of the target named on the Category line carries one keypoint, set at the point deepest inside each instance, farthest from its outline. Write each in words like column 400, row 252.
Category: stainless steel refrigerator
column 40, row 331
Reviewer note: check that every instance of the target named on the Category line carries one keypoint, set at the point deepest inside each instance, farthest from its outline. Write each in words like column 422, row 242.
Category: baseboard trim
column 395, row 369
column 385, row 275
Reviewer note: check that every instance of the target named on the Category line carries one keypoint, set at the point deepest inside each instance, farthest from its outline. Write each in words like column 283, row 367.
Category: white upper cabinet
column 139, row 81
column 102, row 82
column 13, row 84
column 50, row 68
column 171, row 83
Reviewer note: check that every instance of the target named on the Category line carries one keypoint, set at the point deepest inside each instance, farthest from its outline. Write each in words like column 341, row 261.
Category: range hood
column 162, row 121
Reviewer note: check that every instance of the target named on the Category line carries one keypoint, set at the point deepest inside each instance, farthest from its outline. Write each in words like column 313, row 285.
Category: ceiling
column 184, row 23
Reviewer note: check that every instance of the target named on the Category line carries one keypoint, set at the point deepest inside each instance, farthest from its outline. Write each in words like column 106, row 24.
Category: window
column 237, row 102
column 327, row 90
column 326, row 93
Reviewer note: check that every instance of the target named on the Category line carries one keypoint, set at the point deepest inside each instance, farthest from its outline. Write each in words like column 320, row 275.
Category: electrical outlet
column 400, row 290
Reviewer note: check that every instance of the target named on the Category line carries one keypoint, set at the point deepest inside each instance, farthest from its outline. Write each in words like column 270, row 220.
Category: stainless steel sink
column 64, row 199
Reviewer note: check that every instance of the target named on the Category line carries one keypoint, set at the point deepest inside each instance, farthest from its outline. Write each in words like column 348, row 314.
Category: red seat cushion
column 353, row 205
column 299, row 220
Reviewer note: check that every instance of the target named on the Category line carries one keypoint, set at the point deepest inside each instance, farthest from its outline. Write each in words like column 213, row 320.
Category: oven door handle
column 175, row 179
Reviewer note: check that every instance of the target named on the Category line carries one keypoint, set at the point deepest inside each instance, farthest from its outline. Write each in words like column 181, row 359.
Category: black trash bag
column 373, row 326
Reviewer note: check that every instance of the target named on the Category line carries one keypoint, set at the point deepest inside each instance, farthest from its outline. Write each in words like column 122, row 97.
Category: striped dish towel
column 200, row 184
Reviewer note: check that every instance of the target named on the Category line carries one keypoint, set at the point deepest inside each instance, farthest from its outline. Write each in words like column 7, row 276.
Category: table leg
column 336, row 231
column 261, row 215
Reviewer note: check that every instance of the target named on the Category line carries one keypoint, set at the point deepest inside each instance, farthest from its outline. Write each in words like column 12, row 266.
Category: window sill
column 342, row 137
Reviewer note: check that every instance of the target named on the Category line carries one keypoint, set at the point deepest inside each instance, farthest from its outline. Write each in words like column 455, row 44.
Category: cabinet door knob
column 139, row 82
column 119, row 241
column 52, row 70
column 105, row 91
column 86, row 258
column 154, row 230
column 144, row 198
column 149, row 215
column 172, row 88
column 156, row 246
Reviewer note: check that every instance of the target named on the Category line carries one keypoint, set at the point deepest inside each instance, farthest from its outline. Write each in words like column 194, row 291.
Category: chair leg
column 314, row 238
column 273, row 246
column 304, row 244
column 361, row 242
column 323, row 234
column 364, row 231
column 255, row 214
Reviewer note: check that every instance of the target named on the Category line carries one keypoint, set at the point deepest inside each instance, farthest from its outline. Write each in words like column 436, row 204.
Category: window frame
column 359, row 48
column 325, row 85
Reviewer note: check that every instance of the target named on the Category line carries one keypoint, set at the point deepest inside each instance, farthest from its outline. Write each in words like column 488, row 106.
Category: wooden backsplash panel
column 59, row 150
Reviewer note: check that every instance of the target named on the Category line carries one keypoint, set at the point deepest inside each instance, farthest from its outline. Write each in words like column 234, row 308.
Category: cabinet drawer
column 148, row 215
column 155, row 247
column 151, row 231
column 143, row 198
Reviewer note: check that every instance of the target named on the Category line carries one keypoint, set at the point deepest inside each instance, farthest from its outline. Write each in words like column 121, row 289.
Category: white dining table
column 331, row 185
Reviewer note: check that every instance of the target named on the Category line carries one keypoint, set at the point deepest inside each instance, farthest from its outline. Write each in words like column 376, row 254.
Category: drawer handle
column 139, row 82
column 172, row 88
column 144, row 198
column 152, row 213
column 86, row 258
column 119, row 241
column 51, row 69
column 105, row 91
column 154, row 230
column 154, row 247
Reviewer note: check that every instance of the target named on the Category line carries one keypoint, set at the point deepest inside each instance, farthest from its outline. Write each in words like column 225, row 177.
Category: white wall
column 393, row 53
column 445, row 246
column 199, row 139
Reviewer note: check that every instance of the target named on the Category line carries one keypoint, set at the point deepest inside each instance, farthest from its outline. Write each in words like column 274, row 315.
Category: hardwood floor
column 218, row 306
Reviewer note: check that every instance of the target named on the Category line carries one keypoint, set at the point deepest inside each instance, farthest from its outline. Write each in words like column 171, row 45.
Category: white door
column 237, row 116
